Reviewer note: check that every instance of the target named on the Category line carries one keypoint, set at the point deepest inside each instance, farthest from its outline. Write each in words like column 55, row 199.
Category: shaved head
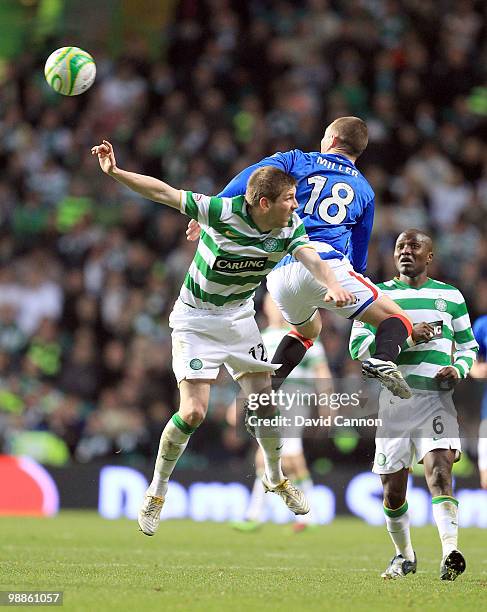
column 347, row 134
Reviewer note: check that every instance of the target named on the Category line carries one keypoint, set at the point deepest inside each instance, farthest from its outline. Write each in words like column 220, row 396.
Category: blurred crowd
column 89, row 271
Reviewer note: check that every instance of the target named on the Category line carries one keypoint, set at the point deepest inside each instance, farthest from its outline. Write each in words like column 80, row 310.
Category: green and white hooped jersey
column 233, row 254
column 453, row 343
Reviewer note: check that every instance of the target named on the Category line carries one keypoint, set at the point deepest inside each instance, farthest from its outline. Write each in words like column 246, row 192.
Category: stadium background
column 193, row 91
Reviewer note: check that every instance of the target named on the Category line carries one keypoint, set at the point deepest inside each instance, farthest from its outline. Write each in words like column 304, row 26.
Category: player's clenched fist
column 106, row 156
column 422, row 332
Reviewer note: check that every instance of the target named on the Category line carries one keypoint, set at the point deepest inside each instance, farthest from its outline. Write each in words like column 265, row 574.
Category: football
column 70, row 71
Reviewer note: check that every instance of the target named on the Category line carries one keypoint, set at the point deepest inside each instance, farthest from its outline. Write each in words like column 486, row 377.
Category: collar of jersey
column 400, row 283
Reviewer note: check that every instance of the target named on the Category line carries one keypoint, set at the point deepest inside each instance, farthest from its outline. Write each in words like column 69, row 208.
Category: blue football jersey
column 480, row 333
column 336, row 203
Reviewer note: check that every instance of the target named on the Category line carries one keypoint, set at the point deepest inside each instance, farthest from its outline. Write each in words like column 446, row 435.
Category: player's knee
column 193, row 412
column 440, row 479
column 394, row 493
column 311, row 329
column 386, row 305
column 194, row 417
column 394, row 499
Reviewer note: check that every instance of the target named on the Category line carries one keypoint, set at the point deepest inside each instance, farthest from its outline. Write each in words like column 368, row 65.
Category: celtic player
column 441, row 350
column 213, row 319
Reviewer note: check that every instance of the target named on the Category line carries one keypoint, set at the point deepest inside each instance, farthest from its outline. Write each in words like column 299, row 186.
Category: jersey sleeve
column 360, row 238
column 238, row 185
column 362, row 341
column 466, row 347
column 204, row 209
column 299, row 237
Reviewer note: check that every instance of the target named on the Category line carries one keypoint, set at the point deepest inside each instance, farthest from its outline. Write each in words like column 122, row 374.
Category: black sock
column 289, row 353
column 391, row 335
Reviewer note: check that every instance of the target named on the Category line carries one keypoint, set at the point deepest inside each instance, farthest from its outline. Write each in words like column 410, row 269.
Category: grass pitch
column 108, row 565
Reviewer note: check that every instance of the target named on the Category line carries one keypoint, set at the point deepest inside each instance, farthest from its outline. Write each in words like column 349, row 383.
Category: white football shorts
column 413, row 427
column 204, row 340
column 298, row 295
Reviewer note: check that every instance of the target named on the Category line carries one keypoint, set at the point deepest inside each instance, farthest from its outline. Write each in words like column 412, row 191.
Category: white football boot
column 149, row 514
column 388, row 374
column 399, row 567
column 292, row 496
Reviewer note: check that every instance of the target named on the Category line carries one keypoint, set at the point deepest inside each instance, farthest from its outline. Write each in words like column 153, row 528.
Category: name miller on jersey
column 335, row 166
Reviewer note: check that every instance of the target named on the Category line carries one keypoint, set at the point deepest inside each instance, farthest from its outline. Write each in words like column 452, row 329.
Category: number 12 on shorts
column 258, row 352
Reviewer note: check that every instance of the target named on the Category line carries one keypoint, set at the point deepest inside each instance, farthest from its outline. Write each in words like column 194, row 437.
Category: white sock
column 397, row 523
column 271, row 445
column 306, row 486
column 445, row 512
column 256, row 505
column 171, row 447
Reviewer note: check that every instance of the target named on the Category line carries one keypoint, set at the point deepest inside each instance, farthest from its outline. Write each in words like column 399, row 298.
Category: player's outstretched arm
column 148, row 186
column 324, row 275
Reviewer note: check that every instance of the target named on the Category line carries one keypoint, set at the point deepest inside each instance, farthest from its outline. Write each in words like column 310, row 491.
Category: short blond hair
column 267, row 182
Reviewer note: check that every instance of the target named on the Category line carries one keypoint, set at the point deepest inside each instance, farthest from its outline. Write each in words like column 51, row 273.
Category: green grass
column 108, row 565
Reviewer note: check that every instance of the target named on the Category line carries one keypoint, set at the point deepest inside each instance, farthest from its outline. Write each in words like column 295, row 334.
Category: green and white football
column 70, row 71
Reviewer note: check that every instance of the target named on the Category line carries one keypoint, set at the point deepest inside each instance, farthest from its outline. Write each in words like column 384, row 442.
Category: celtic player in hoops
column 213, row 319
column 441, row 350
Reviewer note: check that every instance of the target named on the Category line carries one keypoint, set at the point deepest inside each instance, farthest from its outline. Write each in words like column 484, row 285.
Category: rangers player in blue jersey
column 336, row 204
